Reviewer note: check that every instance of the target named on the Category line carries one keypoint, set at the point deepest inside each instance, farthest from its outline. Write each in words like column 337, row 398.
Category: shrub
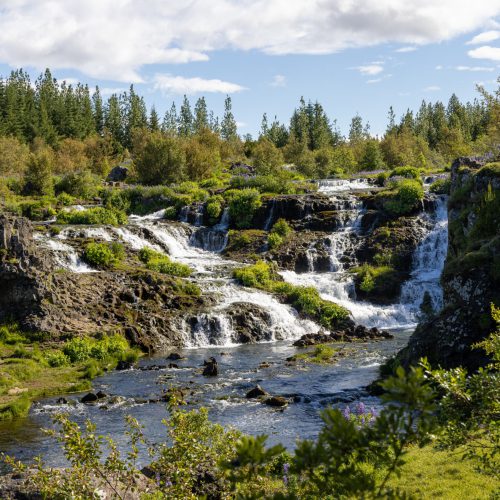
column 56, row 359
column 38, row 210
column 441, row 186
column 408, row 172
column 97, row 215
column 258, row 275
column 274, row 240
column 243, row 205
column 381, row 178
column 380, row 281
column 83, row 185
column 282, row 228
column 406, row 198
column 161, row 263
column 38, row 176
column 214, row 208
column 104, row 254
column 80, row 349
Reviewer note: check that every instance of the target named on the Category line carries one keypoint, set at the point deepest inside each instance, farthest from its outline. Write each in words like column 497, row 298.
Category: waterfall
column 64, row 255
column 428, row 264
column 213, row 239
column 270, row 217
column 328, row 186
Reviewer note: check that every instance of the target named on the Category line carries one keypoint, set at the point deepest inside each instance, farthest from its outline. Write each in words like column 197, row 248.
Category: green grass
column 321, row 354
column 429, row 473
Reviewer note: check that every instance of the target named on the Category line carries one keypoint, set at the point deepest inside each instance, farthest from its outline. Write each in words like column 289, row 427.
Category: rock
column 101, row 395
column 174, row 356
column 173, row 365
column 89, row 398
column 117, row 174
column 211, row 368
column 312, row 339
column 277, row 401
column 124, row 365
column 256, row 392
column 62, row 401
column 264, row 364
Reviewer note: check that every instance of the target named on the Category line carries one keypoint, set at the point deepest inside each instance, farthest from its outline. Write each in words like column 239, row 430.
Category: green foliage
column 407, row 171
column 380, row 281
column 37, row 210
column 38, row 175
column 490, row 170
column 242, row 205
column 282, row 228
column 274, row 240
column 81, row 349
column 214, row 208
column 320, row 354
column 161, row 263
column 104, row 254
column 97, row 215
column 82, row 185
column 441, row 186
column 406, row 197
column 267, row 158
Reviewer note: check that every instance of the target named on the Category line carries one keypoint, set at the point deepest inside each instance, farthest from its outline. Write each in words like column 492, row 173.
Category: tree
column 185, row 118
column 372, row 158
column 170, row 121
column 202, row 159
column 154, row 120
column 267, row 158
column 228, row 125
column 200, row 115
column 356, row 132
column 98, row 111
column 13, row 156
column 38, row 175
column 162, row 160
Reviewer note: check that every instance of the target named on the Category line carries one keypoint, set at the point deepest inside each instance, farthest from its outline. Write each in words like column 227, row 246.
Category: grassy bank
column 31, row 367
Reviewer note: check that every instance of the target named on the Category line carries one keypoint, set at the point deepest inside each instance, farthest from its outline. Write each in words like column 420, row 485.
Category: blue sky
column 350, row 55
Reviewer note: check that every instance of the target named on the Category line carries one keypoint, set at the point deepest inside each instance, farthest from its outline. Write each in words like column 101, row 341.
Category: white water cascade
column 428, row 263
column 328, row 186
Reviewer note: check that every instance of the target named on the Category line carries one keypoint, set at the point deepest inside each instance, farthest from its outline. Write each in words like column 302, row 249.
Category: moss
column 161, row 263
column 377, row 282
column 97, row 215
column 490, row 170
column 320, row 354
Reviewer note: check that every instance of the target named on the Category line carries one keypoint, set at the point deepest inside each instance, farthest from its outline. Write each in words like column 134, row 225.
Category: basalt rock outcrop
column 471, row 278
column 42, row 297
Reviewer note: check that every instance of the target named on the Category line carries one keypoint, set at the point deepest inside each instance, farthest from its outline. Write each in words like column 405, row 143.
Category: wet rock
column 124, row 365
column 313, row 339
column 174, row 393
column 174, row 356
column 89, row 398
column 211, row 368
column 264, row 364
column 256, row 392
column 277, row 401
column 62, row 401
column 173, row 365
column 101, row 395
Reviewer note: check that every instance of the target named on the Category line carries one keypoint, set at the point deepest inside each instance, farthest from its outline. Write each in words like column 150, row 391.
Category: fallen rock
column 277, row 401
column 256, row 392
column 89, row 398
column 211, row 368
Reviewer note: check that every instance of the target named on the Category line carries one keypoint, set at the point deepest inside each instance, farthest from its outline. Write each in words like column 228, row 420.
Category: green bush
column 104, row 254
column 65, row 199
column 214, row 208
column 441, row 186
column 243, row 205
column 282, row 228
column 381, row 178
column 274, row 240
column 97, row 215
column 57, row 359
column 408, row 172
column 381, row 281
column 406, row 198
column 82, row 185
column 38, row 210
column 161, row 263
column 80, row 349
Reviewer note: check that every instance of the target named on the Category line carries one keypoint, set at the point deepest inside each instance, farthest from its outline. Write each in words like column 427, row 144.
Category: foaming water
column 428, row 263
column 328, row 186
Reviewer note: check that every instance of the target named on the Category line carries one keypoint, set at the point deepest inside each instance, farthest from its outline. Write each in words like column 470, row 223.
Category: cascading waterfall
column 328, row 186
column 427, row 266
column 213, row 239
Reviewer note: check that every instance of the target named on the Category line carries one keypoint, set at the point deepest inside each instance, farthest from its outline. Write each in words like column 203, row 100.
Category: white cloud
column 474, row 68
column 278, row 81
column 370, row 69
column 439, row 67
column 485, row 52
column 487, row 36
column 179, row 85
column 432, row 88
column 406, row 49
column 116, row 39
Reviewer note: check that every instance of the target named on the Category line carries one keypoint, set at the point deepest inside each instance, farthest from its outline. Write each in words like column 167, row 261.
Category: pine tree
column 200, row 116
column 185, row 118
column 154, row 120
column 228, row 126
column 356, row 133
column 98, row 110
column 113, row 120
column 170, row 121
column 264, row 126
column 391, row 118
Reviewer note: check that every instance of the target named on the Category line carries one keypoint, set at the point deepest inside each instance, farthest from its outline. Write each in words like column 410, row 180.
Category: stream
column 312, row 387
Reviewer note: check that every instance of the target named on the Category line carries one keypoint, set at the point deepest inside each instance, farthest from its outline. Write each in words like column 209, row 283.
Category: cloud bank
column 116, row 39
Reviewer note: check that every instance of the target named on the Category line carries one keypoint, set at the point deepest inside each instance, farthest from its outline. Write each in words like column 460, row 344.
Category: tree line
column 76, row 129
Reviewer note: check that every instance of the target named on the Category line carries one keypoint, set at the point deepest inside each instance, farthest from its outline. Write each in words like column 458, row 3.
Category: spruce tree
column 200, row 116
column 185, row 118
column 229, row 129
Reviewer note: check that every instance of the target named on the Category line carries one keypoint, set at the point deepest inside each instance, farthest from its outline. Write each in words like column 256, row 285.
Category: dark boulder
column 118, row 174
column 277, row 401
column 211, row 368
column 89, row 398
column 256, row 392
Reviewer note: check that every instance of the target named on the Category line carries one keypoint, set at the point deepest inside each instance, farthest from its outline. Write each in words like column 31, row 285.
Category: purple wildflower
column 361, row 408
column 286, row 468
column 347, row 412
column 374, row 413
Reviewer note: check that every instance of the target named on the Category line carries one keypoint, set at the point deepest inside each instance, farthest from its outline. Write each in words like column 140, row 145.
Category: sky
column 353, row 56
